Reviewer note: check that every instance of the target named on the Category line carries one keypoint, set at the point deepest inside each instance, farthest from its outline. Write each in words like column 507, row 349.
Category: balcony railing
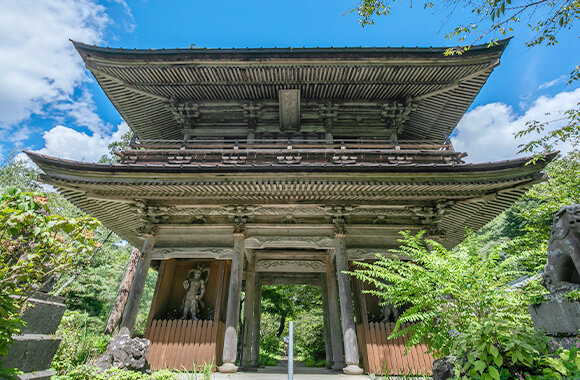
column 288, row 152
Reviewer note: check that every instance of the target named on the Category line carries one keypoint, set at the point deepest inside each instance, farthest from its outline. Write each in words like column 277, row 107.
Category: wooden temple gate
column 181, row 344
column 262, row 164
column 381, row 355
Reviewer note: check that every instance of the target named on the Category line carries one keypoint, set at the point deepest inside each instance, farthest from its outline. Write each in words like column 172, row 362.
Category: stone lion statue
column 562, row 272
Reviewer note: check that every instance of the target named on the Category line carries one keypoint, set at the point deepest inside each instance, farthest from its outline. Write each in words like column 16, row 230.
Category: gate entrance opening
column 280, row 304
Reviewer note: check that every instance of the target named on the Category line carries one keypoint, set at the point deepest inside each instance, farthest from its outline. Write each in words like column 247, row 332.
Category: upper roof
column 420, row 92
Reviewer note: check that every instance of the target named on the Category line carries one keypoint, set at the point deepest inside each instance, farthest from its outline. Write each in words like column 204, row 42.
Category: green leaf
column 493, row 372
column 493, row 350
column 480, row 366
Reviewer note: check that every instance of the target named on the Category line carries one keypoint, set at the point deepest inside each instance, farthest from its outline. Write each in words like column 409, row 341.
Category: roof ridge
column 80, row 46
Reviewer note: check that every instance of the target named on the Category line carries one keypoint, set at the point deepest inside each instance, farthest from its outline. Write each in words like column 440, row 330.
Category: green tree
column 494, row 19
column 287, row 301
column 309, row 336
column 15, row 172
column 301, row 304
column 115, row 146
column 562, row 187
column 569, row 132
column 523, row 230
column 462, row 304
column 36, row 246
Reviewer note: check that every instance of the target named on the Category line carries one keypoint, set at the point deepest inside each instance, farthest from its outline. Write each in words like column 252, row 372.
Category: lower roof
column 442, row 199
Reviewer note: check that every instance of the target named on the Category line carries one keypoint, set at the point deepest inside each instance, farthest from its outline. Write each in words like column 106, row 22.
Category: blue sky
column 50, row 103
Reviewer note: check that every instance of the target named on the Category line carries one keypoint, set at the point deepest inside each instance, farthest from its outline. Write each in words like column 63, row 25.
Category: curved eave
column 273, row 54
column 92, row 170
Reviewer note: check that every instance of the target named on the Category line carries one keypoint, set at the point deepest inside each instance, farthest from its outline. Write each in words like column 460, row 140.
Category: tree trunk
column 123, row 294
column 282, row 325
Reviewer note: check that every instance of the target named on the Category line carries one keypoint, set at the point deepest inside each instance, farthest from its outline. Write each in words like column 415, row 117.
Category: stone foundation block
column 31, row 352
column 39, row 375
column 556, row 317
column 43, row 315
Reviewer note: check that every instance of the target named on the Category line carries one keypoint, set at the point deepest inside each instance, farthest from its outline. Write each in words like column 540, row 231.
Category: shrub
column 35, row 247
column 573, row 295
column 81, row 341
column 86, row 372
column 461, row 304
column 565, row 364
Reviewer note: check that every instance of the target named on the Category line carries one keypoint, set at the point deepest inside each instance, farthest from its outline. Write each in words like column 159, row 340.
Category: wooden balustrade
column 172, row 152
column 387, row 356
column 182, row 344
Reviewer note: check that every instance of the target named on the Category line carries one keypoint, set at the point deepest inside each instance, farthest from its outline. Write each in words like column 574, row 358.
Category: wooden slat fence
column 181, row 344
column 387, row 355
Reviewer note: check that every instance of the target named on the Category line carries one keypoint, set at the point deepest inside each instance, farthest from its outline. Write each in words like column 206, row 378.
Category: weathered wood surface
column 123, row 293
column 387, row 356
column 131, row 308
column 445, row 199
column 230, row 347
column 290, row 151
column 239, row 88
column 182, row 345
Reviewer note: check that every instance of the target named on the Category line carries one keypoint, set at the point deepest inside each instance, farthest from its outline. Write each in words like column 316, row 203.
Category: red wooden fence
column 387, row 355
column 180, row 344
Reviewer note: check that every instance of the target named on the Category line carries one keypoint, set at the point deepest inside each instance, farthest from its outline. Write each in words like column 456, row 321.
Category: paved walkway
column 281, row 373
column 271, row 373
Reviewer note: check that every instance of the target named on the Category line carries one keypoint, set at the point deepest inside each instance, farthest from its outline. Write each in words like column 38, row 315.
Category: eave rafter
column 142, row 83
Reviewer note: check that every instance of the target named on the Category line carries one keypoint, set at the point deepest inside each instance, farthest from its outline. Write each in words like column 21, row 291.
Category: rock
column 556, row 316
column 352, row 369
column 125, row 352
column 443, row 368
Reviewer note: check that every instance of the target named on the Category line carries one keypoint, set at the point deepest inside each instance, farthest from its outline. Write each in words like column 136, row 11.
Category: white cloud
column 65, row 142
column 83, row 112
column 552, row 83
column 130, row 23
column 486, row 133
column 38, row 63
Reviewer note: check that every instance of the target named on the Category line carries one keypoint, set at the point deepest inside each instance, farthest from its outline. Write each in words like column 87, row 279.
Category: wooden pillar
column 233, row 310
column 326, row 322
column 136, row 292
column 249, row 310
column 257, row 320
column 345, row 292
column 334, row 317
